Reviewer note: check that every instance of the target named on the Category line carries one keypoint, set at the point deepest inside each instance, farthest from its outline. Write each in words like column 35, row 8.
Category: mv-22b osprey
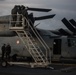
column 43, row 46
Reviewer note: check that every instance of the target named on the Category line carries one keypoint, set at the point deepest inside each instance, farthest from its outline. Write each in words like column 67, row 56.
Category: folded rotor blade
column 44, row 17
column 39, row 9
column 64, row 32
column 73, row 22
column 68, row 25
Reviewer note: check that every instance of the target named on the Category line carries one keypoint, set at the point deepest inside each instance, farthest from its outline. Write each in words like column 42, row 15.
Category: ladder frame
column 22, row 29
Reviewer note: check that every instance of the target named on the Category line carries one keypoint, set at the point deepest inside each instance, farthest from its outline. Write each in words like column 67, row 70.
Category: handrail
column 36, row 32
column 41, row 41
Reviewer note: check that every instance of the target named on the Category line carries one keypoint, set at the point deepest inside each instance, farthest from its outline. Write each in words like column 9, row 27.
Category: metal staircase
column 30, row 43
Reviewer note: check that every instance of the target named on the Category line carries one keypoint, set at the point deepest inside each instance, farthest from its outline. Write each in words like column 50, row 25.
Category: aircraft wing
column 47, row 33
column 56, row 32
column 64, row 32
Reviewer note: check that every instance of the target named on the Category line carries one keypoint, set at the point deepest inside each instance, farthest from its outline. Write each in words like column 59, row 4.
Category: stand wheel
column 4, row 63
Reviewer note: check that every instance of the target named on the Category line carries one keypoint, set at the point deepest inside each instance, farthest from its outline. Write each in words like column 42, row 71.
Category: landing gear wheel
column 4, row 63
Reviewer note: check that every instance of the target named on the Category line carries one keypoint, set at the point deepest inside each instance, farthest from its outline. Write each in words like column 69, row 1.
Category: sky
column 62, row 8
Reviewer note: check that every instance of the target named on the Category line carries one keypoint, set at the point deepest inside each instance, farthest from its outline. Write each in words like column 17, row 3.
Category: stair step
column 16, row 28
column 35, row 51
